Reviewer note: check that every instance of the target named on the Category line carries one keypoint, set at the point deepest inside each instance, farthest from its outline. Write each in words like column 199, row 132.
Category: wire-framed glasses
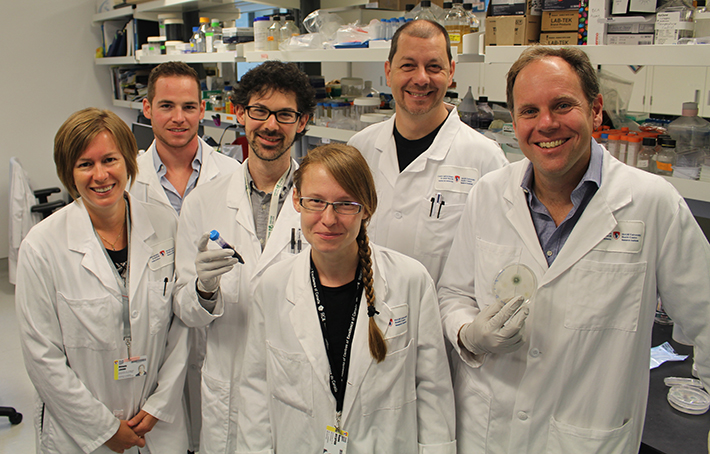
column 285, row 117
column 312, row 204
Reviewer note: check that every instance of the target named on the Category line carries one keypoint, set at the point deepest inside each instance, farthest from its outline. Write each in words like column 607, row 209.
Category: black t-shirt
column 409, row 150
column 120, row 260
column 339, row 304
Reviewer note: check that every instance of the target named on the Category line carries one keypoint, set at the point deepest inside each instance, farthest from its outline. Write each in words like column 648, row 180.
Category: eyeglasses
column 285, row 117
column 311, row 204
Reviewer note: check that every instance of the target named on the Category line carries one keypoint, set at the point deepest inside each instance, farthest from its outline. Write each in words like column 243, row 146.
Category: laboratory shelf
column 207, row 5
column 202, row 57
column 135, row 105
column 342, row 135
column 655, row 55
column 319, row 56
column 116, row 61
column 691, row 189
column 115, row 14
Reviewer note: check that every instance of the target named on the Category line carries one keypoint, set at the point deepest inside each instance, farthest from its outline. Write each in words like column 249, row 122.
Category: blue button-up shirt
column 172, row 193
column 552, row 237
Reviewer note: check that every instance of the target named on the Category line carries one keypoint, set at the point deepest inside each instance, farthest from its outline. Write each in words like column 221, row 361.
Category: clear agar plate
column 689, row 399
column 514, row 280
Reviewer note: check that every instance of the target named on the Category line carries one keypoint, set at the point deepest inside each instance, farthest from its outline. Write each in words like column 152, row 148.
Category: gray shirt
column 553, row 237
column 261, row 202
column 170, row 191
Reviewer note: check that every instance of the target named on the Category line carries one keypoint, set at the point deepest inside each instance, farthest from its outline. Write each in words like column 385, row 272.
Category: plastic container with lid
column 646, row 159
column 261, row 32
column 689, row 399
column 162, row 30
column 692, row 135
column 173, row 29
column 612, row 145
column 370, row 119
column 632, row 149
column 623, row 144
column 158, row 43
column 364, row 106
column 351, row 87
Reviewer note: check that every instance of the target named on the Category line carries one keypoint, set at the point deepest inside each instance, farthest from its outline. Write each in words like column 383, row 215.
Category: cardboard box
column 596, row 24
column 512, row 30
column 507, row 7
column 400, row 5
column 560, row 21
column 557, row 5
column 626, row 39
column 559, row 39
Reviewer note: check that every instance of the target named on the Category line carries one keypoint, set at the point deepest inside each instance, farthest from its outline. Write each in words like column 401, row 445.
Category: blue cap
column 214, row 235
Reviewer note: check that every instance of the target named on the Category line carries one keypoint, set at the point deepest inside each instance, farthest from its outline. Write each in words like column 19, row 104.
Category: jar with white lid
column 364, row 106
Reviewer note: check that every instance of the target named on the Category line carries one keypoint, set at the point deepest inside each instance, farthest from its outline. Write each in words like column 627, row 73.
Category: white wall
column 48, row 72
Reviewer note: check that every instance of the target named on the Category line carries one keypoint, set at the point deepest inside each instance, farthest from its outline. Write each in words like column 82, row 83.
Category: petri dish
column 689, row 399
column 514, row 280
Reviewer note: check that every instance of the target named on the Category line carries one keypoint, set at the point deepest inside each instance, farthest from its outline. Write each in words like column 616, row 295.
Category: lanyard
column 275, row 196
column 338, row 389
column 123, row 286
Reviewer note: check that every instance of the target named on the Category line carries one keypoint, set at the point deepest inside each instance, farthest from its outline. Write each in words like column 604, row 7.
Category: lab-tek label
column 456, row 179
column 627, row 236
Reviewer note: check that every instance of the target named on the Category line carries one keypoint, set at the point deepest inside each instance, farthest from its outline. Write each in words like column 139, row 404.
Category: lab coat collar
column 305, row 324
column 595, row 223
column 437, row 151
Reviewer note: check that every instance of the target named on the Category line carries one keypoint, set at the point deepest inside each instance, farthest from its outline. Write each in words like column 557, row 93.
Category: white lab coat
column 224, row 205
column 580, row 381
column 21, row 217
column 71, row 327
column 401, row 405
column 402, row 221
column 148, row 189
column 147, row 186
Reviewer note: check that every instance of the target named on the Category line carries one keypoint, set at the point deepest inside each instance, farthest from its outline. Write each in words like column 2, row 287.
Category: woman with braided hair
column 324, row 372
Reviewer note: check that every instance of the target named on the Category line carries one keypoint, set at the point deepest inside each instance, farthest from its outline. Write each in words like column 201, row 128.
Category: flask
column 692, row 135
column 425, row 12
column 197, row 43
column 485, row 113
column 274, row 33
column 645, row 159
column 456, row 24
column 468, row 110
column 288, row 29
column 665, row 160
column 473, row 23
column 261, row 32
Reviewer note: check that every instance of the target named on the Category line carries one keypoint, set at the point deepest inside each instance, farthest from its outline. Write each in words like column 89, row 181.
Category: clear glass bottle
column 665, row 160
column 227, row 95
column 646, row 158
column 425, row 12
column 204, row 25
column 261, row 32
column 288, row 29
column 485, row 113
column 408, row 11
column 692, row 135
column 196, row 40
column 274, row 33
column 468, row 111
column 474, row 23
column 456, row 24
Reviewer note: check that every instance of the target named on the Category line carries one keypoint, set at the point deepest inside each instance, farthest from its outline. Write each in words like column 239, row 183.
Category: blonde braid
column 378, row 347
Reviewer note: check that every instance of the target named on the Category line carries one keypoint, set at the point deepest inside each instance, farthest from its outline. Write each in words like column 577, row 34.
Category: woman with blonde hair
column 324, row 372
column 94, row 304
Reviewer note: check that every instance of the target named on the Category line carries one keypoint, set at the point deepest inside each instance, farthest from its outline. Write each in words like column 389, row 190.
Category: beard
column 268, row 153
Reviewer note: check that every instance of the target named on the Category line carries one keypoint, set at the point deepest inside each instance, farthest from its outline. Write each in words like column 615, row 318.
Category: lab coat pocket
column 490, row 260
column 436, row 232
column 290, row 378
column 611, row 299
column 391, row 384
column 565, row 438
column 160, row 305
column 89, row 323
column 215, row 414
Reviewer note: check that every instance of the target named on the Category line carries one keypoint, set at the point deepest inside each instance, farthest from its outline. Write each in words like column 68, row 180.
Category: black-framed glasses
column 312, row 204
column 285, row 117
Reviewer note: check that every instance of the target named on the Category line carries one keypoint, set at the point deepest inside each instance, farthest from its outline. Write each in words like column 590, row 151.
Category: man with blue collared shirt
column 569, row 371
column 176, row 162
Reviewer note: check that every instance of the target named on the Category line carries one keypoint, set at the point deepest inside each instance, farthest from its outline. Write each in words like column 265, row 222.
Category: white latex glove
column 496, row 329
column 211, row 264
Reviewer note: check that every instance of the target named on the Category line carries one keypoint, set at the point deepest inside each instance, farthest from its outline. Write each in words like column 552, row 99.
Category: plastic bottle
column 456, row 24
column 468, row 110
column 274, row 33
column 623, row 144
column 474, row 25
column 408, row 11
column 485, row 113
column 613, row 145
column 261, row 32
column 665, row 160
column 213, row 35
column 604, row 139
column 288, row 29
column 227, row 95
column 425, row 12
column 646, row 158
column 633, row 149
column 197, row 44
column 692, row 135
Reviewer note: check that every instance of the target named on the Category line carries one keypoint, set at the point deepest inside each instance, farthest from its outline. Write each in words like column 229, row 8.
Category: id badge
column 336, row 441
column 130, row 367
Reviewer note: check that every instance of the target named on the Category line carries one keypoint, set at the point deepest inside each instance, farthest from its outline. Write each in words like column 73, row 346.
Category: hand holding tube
column 211, row 264
column 497, row 329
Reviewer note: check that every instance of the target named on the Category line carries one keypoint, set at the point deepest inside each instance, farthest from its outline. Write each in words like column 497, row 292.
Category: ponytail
column 378, row 347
